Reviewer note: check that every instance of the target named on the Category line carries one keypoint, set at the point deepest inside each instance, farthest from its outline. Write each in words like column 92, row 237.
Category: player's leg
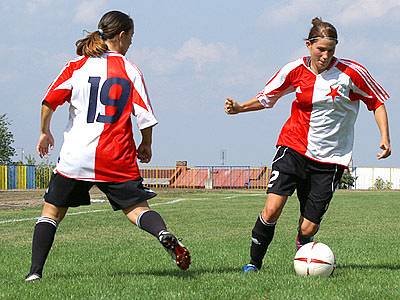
column 305, row 233
column 146, row 219
column 132, row 198
column 152, row 222
column 324, row 179
column 61, row 194
column 43, row 237
column 263, row 230
column 282, row 184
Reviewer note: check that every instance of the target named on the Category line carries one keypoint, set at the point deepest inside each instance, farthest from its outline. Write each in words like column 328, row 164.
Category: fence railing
column 206, row 177
column 24, row 177
column 179, row 177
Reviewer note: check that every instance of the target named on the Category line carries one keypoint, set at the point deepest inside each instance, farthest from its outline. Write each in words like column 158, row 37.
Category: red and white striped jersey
column 321, row 124
column 102, row 93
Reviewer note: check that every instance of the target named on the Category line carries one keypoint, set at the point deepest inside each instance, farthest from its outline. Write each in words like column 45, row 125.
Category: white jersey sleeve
column 142, row 108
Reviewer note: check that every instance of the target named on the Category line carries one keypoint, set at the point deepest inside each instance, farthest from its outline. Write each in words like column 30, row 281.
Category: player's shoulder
column 76, row 62
column 294, row 64
column 352, row 64
column 133, row 67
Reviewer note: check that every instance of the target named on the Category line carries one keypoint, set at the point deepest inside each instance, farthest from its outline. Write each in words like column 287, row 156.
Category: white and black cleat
column 32, row 277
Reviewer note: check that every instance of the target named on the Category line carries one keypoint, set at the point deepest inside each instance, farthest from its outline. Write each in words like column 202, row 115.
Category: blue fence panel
column 12, row 178
column 30, row 177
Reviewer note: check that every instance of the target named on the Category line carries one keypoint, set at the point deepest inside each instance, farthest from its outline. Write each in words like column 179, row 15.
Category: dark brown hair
column 111, row 24
column 321, row 29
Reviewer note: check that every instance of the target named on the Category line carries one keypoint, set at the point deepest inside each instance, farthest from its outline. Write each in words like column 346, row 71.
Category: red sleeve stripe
column 146, row 105
column 370, row 81
column 375, row 87
column 376, row 83
column 273, row 77
column 66, row 73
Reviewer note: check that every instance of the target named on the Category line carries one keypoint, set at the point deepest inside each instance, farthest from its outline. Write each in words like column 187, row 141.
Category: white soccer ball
column 314, row 259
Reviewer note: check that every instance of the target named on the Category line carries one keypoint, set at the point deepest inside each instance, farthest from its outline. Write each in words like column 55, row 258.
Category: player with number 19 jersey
column 102, row 93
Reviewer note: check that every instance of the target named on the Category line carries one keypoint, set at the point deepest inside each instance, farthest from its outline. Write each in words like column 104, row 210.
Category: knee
column 270, row 215
column 54, row 212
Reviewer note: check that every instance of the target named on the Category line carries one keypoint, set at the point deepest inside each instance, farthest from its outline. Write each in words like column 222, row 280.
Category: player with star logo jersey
column 103, row 89
column 315, row 144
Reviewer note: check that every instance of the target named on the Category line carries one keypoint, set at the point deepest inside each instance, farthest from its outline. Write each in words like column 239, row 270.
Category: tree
column 6, row 139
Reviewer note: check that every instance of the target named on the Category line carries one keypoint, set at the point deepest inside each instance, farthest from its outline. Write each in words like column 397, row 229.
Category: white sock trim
column 265, row 222
column 47, row 220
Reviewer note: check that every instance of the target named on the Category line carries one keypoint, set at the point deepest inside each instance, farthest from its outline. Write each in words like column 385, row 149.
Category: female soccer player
column 103, row 89
column 315, row 144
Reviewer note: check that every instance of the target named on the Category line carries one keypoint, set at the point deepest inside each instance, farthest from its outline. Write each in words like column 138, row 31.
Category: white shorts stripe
column 280, row 157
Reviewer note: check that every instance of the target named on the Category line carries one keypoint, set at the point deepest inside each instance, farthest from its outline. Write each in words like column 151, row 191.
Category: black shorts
column 315, row 182
column 69, row 192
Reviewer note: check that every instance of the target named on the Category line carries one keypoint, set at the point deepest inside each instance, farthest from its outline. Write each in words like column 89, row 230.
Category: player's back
column 98, row 140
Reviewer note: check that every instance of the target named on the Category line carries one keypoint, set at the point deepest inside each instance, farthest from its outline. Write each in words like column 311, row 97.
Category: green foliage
column 100, row 255
column 381, row 184
column 43, row 174
column 30, row 160
column 347, row 181
column 7, row 152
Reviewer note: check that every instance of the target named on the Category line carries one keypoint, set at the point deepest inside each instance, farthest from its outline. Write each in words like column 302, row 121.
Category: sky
column 193, row 55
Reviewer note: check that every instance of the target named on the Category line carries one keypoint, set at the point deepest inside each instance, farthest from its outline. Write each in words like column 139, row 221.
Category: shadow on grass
column 191, row 273
column 393, row 267
column 176, row 273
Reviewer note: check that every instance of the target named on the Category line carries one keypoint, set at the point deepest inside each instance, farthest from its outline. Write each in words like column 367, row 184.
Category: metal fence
column 206, row 177
column 22, row 177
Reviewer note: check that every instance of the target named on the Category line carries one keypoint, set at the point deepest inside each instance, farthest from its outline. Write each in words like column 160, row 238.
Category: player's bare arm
column 233, row 107
column 383, row 125
column 46, row 139
column 144, row 150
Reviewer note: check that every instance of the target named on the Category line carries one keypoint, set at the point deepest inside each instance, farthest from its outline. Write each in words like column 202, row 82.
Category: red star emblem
column 334, row 93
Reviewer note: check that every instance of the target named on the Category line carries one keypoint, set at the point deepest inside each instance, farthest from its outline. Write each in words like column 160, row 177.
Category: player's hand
column 386, row 150
column 231, row 107
column 144, row 153
column 46, row 141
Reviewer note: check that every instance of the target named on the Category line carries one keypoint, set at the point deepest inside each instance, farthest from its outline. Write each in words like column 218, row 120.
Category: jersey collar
column 307, row 63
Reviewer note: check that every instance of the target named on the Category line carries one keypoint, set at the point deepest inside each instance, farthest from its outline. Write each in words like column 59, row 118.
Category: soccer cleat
column 32, row 277
column 179, row 253
column 300, row 242
column 249, row 268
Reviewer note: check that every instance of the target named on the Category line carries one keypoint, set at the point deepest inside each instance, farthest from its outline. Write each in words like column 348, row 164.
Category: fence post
column 209, row 180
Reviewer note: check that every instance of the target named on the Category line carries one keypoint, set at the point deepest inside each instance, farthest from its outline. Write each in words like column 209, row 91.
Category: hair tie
column 101, row 32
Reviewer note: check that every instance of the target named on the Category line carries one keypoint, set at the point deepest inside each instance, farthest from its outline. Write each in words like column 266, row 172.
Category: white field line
column 102, row 210
column 88, row 211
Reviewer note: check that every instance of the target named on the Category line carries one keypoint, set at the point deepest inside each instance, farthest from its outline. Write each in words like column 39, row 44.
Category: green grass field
column 100, row 255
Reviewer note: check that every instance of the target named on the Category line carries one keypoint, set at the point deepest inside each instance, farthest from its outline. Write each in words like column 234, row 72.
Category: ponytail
column 110, row 24
column 92, row 45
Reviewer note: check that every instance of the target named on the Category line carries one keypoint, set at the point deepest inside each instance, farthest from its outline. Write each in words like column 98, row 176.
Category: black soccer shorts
column 69, row 192
column 315, row 182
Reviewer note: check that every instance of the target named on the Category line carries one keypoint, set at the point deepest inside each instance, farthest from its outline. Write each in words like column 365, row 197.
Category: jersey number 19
column 105, row 99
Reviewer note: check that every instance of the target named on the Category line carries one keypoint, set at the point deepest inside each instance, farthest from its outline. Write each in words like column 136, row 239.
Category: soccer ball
column 314, row 259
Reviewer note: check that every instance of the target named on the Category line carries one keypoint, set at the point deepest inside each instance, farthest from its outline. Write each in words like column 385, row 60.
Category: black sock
column 43, row 237
column 152, row 222
column 302, row 240
column 262, row 235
